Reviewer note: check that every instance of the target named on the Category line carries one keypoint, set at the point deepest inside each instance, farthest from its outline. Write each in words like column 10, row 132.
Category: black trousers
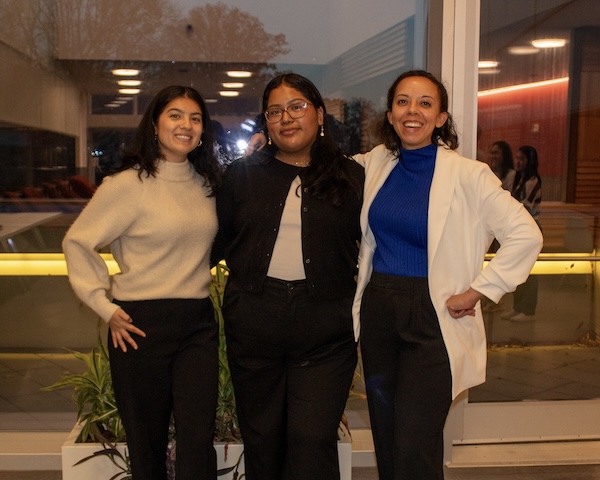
column 292, row 362
column 525, row 296
column 175, row 370
column 407, row 375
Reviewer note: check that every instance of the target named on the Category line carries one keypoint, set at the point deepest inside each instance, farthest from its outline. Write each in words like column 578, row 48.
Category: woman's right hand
column 121, row 327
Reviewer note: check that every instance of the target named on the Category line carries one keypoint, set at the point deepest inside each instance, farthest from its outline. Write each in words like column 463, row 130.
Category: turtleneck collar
column 420, row 158
column 175, row 172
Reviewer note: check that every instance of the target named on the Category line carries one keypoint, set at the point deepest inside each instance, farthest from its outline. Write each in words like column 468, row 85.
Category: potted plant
column 99, row 431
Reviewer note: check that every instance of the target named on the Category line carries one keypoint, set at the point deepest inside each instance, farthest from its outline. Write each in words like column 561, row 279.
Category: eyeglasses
column 295, row 110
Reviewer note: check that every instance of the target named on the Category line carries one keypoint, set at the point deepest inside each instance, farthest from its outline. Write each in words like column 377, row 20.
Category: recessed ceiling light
column 233, row 85
column 130, row 83
column 549, row 42
column 239, row 74
column 229, row 93
column 487, row 64
column 210, row 100
column 126, row 72
column 523, row 50
column 129, row 91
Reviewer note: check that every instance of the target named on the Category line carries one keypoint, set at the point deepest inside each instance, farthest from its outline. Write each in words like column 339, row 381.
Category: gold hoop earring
column 200, row 142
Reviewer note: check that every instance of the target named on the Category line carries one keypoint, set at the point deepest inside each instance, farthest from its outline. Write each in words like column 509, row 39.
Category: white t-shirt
column 286, row 260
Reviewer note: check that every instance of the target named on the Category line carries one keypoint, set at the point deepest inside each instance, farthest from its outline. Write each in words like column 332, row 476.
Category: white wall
column 34, row 98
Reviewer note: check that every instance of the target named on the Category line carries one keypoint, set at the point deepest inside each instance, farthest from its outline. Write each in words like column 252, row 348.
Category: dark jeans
column 525, row 296
column 408, row 377
column 174, row 371
column 292, row 361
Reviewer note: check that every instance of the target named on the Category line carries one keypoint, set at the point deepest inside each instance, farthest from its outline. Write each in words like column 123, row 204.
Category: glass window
column 537, row 90
column 78, row 75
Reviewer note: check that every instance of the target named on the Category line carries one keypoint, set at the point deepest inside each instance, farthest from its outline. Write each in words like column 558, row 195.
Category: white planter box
column 94, row 469
column 103, row 469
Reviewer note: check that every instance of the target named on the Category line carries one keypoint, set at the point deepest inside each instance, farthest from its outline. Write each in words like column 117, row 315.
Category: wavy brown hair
column 445, row 134
column 144, row 151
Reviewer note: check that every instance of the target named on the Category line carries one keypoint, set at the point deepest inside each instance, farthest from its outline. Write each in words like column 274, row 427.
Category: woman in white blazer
column 428, row 218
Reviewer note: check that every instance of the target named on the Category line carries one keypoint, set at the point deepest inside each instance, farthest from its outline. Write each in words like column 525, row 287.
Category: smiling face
column 179, row 128
column 520, row 161
column 495, row 157
column 416, row 112
column 293, row 137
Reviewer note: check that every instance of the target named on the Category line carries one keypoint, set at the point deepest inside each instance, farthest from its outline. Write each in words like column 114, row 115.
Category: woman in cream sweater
column 158, row 215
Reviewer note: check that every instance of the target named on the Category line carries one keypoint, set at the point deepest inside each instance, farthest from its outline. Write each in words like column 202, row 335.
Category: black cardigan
column 250, row 204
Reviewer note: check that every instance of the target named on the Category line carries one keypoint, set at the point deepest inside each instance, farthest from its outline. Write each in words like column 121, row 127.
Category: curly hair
column 144, row 151
column 445, row 134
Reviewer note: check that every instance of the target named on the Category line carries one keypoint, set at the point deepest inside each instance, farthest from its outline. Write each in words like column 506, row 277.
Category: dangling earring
column 322, row 131
column 269, row 139
column 155, row 137
column 200, row 142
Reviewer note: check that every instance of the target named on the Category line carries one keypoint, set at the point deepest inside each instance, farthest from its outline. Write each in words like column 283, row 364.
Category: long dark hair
column 531, row 169
column 144, row 151
column 327, row 173
column 507, row 162
column 445, row 134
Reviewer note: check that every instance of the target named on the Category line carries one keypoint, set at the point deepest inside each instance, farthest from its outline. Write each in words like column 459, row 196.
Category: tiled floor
column 24, row 404
column 556, row 372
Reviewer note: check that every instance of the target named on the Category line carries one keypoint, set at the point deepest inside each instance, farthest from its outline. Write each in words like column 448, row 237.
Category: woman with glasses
column 289, row 230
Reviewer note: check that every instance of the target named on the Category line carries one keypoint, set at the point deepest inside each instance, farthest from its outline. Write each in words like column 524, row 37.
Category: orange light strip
column 522, row 86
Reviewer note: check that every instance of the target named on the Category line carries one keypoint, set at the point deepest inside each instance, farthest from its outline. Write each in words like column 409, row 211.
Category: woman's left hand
column 463, row 304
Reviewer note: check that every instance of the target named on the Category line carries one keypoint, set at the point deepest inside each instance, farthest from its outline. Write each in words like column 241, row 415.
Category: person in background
column 289, row 232
column 501, row 162
column 158, row 215
column 428, row 218
column 527, row 189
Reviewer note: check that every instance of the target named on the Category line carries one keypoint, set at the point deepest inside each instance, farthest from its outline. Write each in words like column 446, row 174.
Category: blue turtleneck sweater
column 398, row 215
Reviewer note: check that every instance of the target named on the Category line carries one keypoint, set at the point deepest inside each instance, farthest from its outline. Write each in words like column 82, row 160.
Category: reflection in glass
column 63, row 119
column 539, row 95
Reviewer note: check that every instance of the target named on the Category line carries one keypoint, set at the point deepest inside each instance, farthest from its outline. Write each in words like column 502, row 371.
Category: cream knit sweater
column 160, row 231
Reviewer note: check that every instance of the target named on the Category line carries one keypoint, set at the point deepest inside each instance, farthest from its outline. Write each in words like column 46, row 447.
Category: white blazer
column 467, row 209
